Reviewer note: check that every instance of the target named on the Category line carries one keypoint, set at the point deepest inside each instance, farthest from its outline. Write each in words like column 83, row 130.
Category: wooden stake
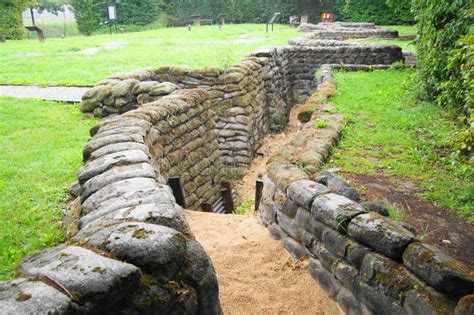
column 258, row 193
column 226, row 192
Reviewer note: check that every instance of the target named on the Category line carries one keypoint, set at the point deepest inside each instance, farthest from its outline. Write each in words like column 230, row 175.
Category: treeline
column 142, row 12
column 260, row 11
column 91, row 14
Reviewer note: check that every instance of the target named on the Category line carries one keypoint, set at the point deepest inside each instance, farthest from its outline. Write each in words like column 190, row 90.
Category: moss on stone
column 141, row 233
column 99, row 269
column 21, row 297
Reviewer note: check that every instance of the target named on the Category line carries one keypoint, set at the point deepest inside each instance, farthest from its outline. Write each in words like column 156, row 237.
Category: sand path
column 256, row 274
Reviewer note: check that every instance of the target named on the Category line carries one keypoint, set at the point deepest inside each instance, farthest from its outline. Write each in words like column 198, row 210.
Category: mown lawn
column 40, row 152
column 57, row 61
column 403, row 30
column 389, row 133
column 406, row 45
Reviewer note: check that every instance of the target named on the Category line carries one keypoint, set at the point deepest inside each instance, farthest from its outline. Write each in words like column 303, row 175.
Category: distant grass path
column 40, row 152
column 388, row 133
column 57, row 61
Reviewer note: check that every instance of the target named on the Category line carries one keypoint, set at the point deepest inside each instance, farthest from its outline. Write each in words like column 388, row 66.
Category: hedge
column 375, row 11
column 445, row 50
column 11, row 22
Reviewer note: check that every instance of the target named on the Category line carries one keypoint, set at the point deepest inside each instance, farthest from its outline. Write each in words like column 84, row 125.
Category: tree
column 11, row 22
column 52, row 6
column 89, row 14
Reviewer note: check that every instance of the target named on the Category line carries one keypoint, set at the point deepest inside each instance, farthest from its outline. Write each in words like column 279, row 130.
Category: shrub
column 90, row 14
column 445, row 58
column 11, row 22
column 375, row 11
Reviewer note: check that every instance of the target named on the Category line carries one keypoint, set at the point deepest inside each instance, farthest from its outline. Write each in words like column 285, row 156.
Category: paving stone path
column 52, row 93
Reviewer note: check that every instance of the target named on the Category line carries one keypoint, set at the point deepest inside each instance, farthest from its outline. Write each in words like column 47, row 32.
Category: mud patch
column 438, row 226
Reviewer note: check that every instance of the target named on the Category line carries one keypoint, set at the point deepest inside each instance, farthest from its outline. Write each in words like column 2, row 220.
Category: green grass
column 389, row 133
column 403, row 30
column 245, row 207
column 58, row 62
column 40, row 152
column 406, row 45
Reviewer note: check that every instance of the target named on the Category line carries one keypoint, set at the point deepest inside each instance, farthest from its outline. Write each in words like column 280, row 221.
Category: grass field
column 388, row 132
column 406, row 45
column 57, row 61
column 403, row 30
column 40, row 152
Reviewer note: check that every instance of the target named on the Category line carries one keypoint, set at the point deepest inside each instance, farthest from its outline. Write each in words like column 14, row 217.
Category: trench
column 252, row 268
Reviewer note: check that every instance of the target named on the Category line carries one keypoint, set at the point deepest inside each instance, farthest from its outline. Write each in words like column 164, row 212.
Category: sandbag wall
column 367, row 262
column 132, row 251
column 251, row 98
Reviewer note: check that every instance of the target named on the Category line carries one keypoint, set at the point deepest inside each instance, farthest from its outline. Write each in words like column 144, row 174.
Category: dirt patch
column 256, row 274
column 438, row 226
column 271, row 144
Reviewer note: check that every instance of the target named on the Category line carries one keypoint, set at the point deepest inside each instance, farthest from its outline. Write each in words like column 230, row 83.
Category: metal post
column 258, row 193
column 32, row 16
column 64, row 21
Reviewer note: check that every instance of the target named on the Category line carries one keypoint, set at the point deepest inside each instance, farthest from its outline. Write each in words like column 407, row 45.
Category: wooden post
column 258, row 193
column 221, row 20
column 206, row 207
column 272, row 20
column 175, row 184
column 226, row 192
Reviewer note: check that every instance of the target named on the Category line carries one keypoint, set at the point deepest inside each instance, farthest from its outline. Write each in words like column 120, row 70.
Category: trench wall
column 130, row 250
column 368, row 263
column 250, row 99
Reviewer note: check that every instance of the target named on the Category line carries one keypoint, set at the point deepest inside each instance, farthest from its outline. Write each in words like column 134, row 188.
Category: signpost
column 221, row 20
column 272, row 20
column 112, row 16
column 327, row 17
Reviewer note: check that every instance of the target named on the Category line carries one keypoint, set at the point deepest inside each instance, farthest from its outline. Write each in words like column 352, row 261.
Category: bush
column 11, row 23
column 445, row 58
column 89, row 14
column 92, row 14
column 375, row 11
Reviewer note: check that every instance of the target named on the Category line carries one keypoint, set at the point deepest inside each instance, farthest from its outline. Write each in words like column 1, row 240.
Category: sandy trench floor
column 256, row 274
column 271, row 144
